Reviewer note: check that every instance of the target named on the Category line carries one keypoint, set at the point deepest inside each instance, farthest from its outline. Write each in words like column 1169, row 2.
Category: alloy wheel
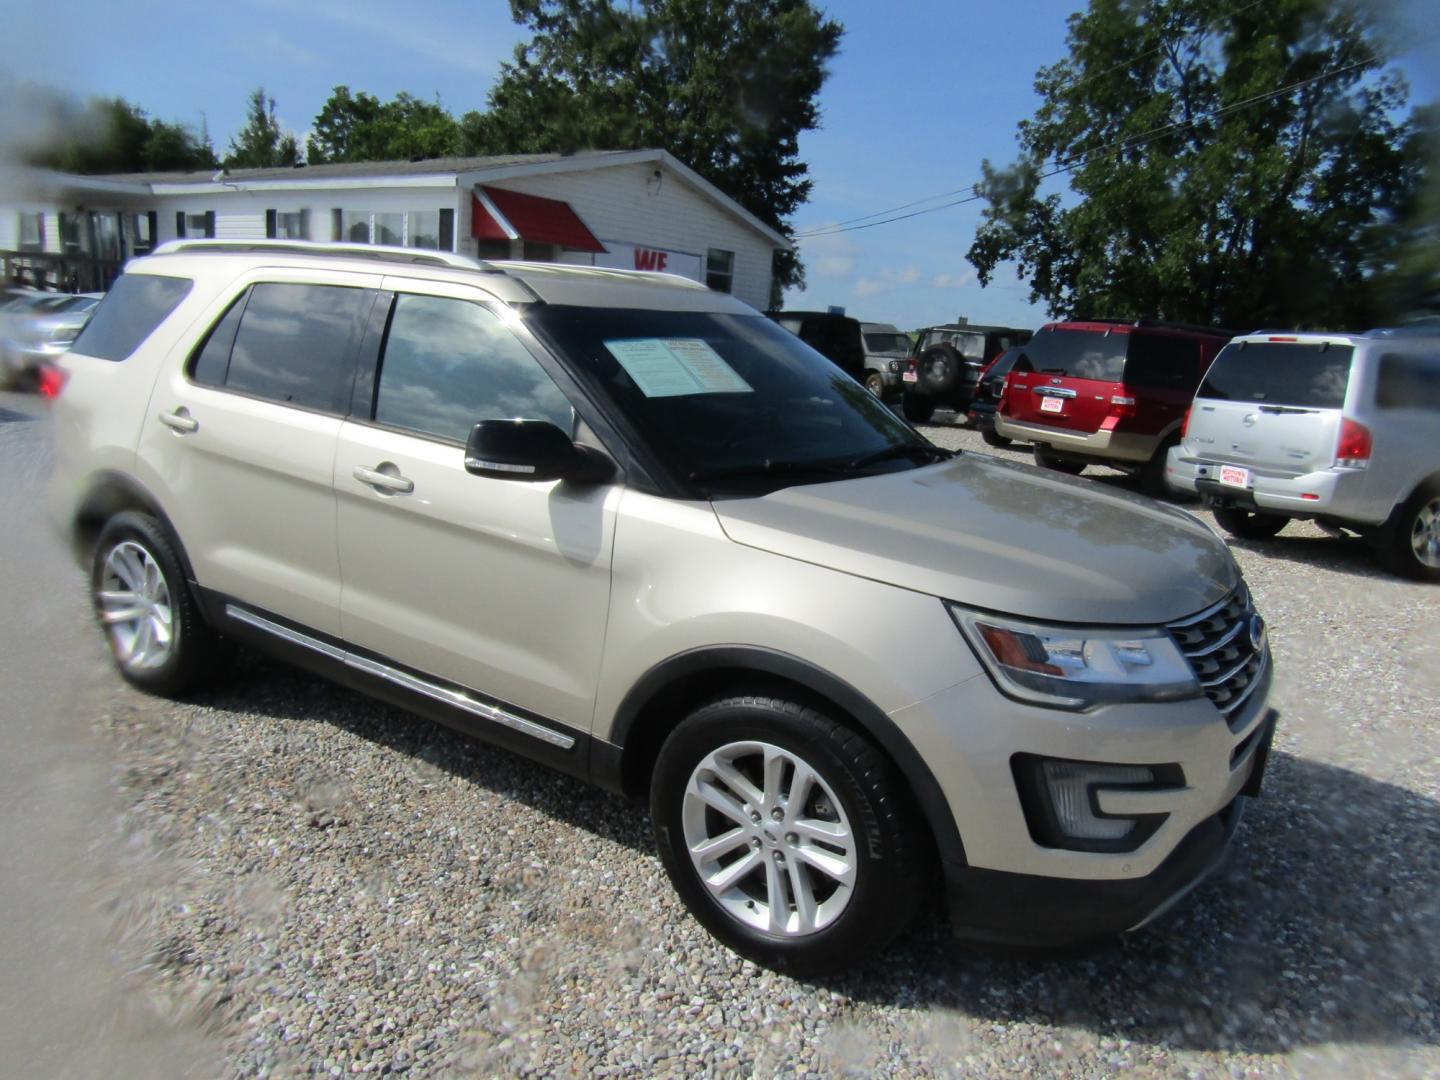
column 135, row 607
column 1425, row 534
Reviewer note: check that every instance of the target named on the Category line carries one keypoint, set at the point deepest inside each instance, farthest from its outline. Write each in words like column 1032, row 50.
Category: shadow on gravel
column 1346, row 555
column 262, row 687
column 1324, row 926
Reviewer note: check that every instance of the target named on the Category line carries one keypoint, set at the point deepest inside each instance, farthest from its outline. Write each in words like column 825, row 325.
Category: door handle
column 180, row 421
column 385, row 481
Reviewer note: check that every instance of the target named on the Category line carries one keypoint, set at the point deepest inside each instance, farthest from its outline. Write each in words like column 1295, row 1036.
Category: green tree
column 725, row 87
column 260, row 143
column 359, row 127
column 1203, row 189
column 110, row 135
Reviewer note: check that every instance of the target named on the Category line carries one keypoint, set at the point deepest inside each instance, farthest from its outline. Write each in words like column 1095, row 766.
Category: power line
column 973, row 188
column 1076, row 160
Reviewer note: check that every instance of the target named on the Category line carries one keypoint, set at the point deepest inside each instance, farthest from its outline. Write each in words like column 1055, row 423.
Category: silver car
column 1340, row 428
column 629, row 527
column 886, row 348
column 38, row 327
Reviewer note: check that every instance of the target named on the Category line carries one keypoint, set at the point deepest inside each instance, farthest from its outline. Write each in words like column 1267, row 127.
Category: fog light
column 1071, row 783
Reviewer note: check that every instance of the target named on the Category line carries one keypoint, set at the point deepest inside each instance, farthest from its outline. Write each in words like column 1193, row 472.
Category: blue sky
column 921, row 93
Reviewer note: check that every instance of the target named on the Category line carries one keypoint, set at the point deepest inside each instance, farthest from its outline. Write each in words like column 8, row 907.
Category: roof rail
column 379, row 252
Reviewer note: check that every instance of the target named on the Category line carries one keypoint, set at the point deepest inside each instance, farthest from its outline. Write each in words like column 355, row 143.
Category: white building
column 637, row 209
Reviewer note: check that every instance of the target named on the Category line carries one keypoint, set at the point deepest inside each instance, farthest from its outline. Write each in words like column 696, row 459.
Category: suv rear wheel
column 875, row 383
column 151, row 622
column 1410, row 540
column 1249, row 524
column 785, row 834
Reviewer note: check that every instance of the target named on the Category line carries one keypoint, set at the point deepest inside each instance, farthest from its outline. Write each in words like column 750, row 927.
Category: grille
column 1217, row 644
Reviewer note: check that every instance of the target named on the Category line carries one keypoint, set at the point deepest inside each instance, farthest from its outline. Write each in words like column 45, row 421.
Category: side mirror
column 533, row 450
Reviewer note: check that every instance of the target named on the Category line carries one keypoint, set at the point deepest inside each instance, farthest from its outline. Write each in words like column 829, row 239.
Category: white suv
column 631, row 528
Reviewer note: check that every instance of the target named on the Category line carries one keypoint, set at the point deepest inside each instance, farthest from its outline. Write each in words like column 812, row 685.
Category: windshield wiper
column 903, row 450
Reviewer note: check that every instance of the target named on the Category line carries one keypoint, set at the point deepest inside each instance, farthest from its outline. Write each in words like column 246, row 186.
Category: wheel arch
column 111, row 493
column 663, row 696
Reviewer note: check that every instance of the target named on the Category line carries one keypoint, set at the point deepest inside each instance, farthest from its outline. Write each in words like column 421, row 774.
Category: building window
column 287, row 224
column 142, row 233
column 32, row 232
column 107, row 235
column 720, row 270
column 72, row 234
column 423, row 229
column 195, row 225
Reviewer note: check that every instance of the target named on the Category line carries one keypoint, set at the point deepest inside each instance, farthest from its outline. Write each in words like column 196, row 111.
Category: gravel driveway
column 318, row 883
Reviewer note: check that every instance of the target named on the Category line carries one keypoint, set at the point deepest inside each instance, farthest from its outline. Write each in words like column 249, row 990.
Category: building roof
column 320, row 173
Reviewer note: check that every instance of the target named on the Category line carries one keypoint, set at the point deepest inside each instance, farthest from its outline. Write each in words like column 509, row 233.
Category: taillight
column 1185, row 423
column 910, row 364
column 50, row 380
column 1353, row 450
column 1122, row 406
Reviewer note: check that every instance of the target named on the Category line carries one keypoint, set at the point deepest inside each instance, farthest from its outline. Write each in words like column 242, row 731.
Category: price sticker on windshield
column 676, row 367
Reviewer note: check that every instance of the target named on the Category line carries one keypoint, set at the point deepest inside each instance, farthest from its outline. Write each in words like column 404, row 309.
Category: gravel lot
column 313, row 883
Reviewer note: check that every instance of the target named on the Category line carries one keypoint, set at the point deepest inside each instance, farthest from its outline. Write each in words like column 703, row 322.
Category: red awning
column 511, row 215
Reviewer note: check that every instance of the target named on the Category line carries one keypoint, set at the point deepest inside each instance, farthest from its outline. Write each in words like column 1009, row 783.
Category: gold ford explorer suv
column 633, row 529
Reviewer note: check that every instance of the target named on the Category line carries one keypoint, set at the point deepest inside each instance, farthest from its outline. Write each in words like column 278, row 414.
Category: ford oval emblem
column 1257, row 633
column 1248, row 419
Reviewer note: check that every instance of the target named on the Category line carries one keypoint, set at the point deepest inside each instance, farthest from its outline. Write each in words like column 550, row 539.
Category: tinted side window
column 296, row 344
column 1409, row 382
column 213, row 360
column 135, row 305
column 1162, row 361
column 448, row 364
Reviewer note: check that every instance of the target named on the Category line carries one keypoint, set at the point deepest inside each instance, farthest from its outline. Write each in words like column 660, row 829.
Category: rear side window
column 449, row 364
column 296, row 344
column 213, row 360
column 1409, row 382
column 1080, row 354
column 1164, row 361
column 1312, row 376
column 135, row 305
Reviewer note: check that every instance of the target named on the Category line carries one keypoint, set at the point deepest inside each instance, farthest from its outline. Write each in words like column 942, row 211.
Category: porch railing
column 67, row 273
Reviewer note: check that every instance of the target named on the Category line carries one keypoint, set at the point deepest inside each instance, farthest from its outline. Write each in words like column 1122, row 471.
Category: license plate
column 1233, row 476
column 911, row 376
column 1052, row 404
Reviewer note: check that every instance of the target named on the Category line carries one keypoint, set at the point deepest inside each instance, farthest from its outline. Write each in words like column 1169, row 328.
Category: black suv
column 945, row 365
column 835, row 337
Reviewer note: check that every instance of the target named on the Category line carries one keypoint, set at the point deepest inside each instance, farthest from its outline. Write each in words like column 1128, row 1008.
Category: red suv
column 1106, row 392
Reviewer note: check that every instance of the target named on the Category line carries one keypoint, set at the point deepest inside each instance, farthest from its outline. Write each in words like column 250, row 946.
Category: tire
column 993, row 437
column 166, row 648
column 1410, row 540
column 877, row 885
column 1152, row 474
column 1049, row 461
column 1249, row 524
column 875, row 383
column 940, row 368
column 917, row 409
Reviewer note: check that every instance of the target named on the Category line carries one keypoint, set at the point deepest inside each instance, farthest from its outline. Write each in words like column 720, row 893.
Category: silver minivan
column 1343, row 429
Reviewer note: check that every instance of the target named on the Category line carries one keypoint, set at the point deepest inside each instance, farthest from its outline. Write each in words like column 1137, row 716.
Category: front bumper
column 1102, row 444
column 1331, row 493
column 1012, row 887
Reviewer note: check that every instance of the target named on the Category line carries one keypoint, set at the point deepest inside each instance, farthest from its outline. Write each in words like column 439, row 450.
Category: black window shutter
column 210, row 224
column 270, row 225
column 180, row 223
column 337, row 222
column 305, row 225
column 154, row 241
column 447, row 230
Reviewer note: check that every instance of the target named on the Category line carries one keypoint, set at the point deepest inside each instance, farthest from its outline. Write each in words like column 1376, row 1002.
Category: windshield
column 894, row 344
column 732, row 402
column 1309, row 375
column 1080, row 354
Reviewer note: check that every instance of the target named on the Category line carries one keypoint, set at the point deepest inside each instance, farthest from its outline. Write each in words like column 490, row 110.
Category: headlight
column 1068, row 667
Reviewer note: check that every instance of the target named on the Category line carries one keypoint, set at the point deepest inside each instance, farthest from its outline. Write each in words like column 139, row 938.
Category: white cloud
column 952, row 281
column 831, row 256
column 887, row 280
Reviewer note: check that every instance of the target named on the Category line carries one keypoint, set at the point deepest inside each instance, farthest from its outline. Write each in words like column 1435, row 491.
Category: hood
column 998, row 535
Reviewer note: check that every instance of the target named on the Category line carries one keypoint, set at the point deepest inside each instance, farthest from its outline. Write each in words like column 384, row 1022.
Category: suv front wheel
column 785, row 834
column 151, row 622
